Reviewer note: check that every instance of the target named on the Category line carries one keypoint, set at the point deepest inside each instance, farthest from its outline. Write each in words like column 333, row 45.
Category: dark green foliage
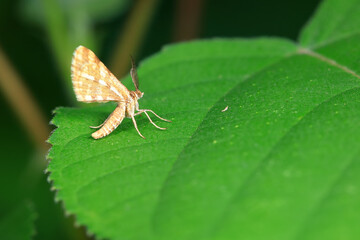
column 18, row 224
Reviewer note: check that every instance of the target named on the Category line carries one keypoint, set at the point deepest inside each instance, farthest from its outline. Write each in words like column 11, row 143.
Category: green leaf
column 333, row 21
column 18, row 223
column 280, row 163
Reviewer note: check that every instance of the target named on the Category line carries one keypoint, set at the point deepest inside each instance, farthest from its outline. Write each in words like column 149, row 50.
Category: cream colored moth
column 93, row 82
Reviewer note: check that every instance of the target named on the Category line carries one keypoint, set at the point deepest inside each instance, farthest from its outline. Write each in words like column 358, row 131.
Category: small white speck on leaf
column 225, row 109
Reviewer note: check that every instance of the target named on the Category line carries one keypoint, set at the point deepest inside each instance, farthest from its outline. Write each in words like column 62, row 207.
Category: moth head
column 139, row 94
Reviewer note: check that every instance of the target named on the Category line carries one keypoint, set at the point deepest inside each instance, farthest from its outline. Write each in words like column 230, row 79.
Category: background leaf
column 18, row 223
column 70, row 23
column 280, row 163
column 93, row 10
column 334, row 20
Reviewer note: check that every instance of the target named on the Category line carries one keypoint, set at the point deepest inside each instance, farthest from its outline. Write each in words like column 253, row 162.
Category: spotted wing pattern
column 92, row 81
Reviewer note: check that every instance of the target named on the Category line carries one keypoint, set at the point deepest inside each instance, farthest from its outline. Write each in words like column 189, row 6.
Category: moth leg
column 139, row 112
column 148, row 110
column 94, row 127
column 135, row 125
column 153, row 122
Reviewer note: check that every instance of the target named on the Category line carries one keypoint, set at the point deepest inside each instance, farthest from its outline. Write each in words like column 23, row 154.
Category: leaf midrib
column 327, row 60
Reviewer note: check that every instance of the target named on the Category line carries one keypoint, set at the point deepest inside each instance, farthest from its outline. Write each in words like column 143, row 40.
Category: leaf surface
column 285, row 151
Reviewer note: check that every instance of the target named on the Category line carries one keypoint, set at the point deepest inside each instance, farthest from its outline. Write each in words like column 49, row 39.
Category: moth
column 93, row 82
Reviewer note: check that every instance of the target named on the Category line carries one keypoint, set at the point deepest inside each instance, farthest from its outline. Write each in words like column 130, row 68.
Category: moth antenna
column 133, row 73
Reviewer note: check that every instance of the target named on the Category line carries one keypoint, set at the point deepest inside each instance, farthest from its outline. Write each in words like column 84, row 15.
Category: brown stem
column 23, row 103
column 188, row 19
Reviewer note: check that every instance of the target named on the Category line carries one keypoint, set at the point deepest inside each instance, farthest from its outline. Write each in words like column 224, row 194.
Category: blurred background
column 37, row 38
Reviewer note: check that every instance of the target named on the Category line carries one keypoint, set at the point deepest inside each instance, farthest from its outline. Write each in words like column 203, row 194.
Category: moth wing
column 92, row 81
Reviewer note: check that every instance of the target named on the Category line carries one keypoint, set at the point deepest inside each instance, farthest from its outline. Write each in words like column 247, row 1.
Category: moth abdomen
column 111, row 123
